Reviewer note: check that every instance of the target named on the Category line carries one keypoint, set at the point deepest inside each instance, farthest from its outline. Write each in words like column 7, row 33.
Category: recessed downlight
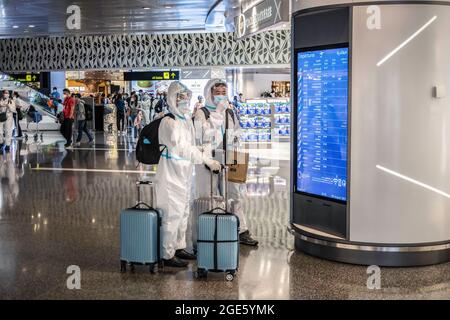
column 31, row 26
column 146, row 8
column 15, row 27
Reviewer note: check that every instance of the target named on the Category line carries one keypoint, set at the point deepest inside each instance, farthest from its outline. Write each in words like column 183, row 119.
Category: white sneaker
column 77, row 144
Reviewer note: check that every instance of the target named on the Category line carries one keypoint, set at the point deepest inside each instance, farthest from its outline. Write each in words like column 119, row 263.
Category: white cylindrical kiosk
column 371, row 139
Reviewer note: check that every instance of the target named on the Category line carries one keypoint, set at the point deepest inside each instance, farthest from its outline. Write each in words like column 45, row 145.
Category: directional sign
column 26, row 77
column 152, row 76
column 265, row 14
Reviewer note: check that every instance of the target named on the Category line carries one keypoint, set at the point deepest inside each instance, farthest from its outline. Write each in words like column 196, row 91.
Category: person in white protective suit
column 174, row 176
column 209, row 134
column 7, row 109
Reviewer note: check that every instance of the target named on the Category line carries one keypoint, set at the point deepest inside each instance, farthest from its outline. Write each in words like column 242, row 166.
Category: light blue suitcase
column 140, row 236
column 218, row 242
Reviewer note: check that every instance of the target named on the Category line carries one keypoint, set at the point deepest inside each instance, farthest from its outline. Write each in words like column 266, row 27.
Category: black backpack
column 206, row 112
column 88, row 112
column 148, row 148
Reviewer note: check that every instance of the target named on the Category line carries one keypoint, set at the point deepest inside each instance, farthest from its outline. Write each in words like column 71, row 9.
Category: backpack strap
column 206, row 112
column 170, row 115
column 233, row 116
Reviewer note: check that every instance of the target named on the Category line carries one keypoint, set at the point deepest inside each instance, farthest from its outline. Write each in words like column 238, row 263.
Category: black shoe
column 175, row 263
column 183, row 254
column 246, row 239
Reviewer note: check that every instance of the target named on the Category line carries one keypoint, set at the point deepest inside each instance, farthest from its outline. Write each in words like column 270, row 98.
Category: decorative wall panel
column 143, row 51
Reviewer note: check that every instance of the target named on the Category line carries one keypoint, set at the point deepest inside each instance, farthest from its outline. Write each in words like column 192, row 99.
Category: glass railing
column 30, row 96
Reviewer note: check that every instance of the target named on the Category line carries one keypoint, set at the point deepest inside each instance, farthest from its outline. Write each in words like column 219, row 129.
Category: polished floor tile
column 61, row 207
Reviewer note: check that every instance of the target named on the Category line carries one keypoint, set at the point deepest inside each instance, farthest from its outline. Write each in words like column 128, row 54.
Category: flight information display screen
column 322, row 124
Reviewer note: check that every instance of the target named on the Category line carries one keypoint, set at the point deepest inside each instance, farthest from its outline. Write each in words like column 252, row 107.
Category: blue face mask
column 219, row 99
column 183, row 106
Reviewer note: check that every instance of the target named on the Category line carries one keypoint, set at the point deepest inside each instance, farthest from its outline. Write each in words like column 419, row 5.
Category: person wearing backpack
column 80, row 116
column 121, row 108
column 18, row 116
column 174, row 176
column 210, row 125
column 7, row 109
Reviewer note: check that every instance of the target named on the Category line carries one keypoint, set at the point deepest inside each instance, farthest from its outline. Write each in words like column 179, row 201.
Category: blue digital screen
column 322, row 124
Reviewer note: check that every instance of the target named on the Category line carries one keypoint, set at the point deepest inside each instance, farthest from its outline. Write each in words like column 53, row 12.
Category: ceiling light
column 168, row 7
column 15, row 27
column 31, row 26
column 146, row 8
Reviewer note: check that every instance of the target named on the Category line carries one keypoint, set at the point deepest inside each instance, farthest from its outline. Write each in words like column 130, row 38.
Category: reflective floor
column 60, row 208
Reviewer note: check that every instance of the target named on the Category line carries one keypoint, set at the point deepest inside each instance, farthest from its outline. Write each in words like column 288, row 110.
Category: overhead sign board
column 152, row 75
column 196, row 74
column 26, row 77
column 265, row 14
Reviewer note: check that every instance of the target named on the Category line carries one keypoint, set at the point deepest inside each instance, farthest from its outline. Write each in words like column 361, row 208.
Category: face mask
column 183, row 106
column 220, row 99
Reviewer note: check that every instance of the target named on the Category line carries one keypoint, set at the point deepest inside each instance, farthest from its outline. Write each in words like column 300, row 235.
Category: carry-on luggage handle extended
column 152, row 199
column 150, row 207
column 225, row 191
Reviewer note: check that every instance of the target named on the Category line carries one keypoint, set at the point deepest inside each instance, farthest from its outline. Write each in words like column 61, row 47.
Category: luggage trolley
column 33, row 116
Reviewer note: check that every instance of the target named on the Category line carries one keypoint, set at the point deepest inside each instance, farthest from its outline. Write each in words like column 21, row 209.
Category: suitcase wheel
column 153, row 268
column 230, row 276
column 201, row 273
column 123, row 266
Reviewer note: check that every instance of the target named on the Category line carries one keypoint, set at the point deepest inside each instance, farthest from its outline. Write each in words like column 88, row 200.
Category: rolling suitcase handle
column 225, row 188
column 139, row 184
column 151, row 207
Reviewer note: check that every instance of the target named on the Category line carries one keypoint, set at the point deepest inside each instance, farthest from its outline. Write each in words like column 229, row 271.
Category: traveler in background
column 106, row 99
column 175, row 174
column 133, row 112
column 55, row 96
column 236, row 101
column 209, row 136
column 7, row 109
column 199, row 104
column 241, row 98
column 138, row 123
column 153, row 102
column 161, row 105
column 80, row 115
column 69, row 116
column 19, row 104
column 120, row 106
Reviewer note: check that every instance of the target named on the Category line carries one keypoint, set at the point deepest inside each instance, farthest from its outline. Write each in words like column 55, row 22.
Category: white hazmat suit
column 209, row 135
column 6, row 128
column 174, row 176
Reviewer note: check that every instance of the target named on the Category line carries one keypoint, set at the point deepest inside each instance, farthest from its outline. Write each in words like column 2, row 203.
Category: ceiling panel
column 25, row 18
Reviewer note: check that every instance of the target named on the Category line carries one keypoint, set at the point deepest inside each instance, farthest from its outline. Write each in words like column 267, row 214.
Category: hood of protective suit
column 176, row 88
column 209, row 101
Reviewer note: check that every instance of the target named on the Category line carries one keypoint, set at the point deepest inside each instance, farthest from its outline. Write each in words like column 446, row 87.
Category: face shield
column 179, row 99
column 184, row 102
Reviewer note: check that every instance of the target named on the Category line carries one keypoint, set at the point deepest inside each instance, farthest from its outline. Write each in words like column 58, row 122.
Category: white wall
column 253, row 84
column 400, row 157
